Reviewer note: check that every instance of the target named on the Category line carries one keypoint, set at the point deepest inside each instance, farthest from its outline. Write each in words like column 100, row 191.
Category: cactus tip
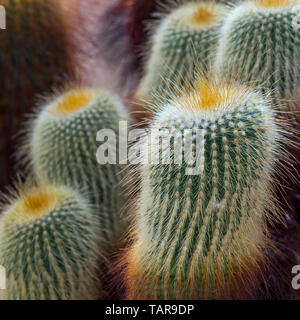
column 74, row 100
column 274, row 3
column 204, row 15
column 33, row 203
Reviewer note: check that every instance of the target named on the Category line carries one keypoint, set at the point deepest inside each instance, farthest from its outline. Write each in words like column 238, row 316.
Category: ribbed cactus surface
column 35, row 55
column 49, row 245
column 203, row 207
column 260, row 43
column 64, row 150
column 184, row 42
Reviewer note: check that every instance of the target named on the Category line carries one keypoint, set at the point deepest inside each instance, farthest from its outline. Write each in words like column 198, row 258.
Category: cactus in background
column 50, row 245
column 63, row 150
column 200, row 232
column 185, row 41
column 260, row 43
column 35, row 55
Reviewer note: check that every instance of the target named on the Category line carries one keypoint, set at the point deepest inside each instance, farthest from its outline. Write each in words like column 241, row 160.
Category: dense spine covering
column 64, row 147
column 50, row 245
column 260, row 43
column 35, row 55
column 201, row 234
column 184, row 42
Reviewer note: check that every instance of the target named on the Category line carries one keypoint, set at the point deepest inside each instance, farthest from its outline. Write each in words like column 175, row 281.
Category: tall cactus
column 63, row 149
column 200, row 229
column 35, row 55
column 260, row 43
column 185, row 40
column 50, row 245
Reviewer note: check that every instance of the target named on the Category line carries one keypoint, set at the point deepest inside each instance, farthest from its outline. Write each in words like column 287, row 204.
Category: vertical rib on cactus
column 49, row 245
column 63, row 149
column 260, row 43
column 186, row 39
column 201, row 234
column 35, row 55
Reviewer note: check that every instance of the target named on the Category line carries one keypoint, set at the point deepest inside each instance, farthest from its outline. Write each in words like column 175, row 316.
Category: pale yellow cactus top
column 73, row 101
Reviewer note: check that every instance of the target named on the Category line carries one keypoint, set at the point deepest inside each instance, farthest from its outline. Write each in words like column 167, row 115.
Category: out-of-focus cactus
column 35, row 55
column 63, row 150
column 201, row 219
column 50, row 245
column 260, row 43
column 185, row 41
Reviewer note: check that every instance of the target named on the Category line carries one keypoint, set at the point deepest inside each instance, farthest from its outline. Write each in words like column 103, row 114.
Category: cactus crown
column 34, row 204
column 209, row 95
column 268, row 4
column 203, row 15
column 73, row 101
column 196, row 15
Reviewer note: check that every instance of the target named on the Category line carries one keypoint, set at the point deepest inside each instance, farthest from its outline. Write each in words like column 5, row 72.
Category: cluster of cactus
column 63, row 150
column 55, row 237
column 207, row 193
column 35, row 55
column 184, row 41
column 205, row 235
column 50, row 245
column 197, row 227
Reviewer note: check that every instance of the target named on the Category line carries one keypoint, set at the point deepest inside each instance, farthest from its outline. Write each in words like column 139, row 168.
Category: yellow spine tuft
column 274, row 3
column 73, row 101
column 204, row 14
column 34, row 203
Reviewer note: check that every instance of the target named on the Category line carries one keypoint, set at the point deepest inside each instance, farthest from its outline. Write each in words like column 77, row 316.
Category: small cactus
column 63, row 150
column 201, row 234
column 35, row 55
column 185, row 40
column 260, row 43
column 49, row 245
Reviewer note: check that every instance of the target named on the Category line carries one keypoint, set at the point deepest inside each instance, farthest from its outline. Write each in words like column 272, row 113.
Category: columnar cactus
column 50, row 245
column 260, row 43
column 185, row 41
column 200, row 229
column 63, row 149
column 35, row 55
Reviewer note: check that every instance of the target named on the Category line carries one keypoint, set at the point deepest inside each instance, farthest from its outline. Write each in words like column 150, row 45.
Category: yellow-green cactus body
column 200, row 229
column 184, row 42
column 260, row 43
column 50, row 245
column 64, row 148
